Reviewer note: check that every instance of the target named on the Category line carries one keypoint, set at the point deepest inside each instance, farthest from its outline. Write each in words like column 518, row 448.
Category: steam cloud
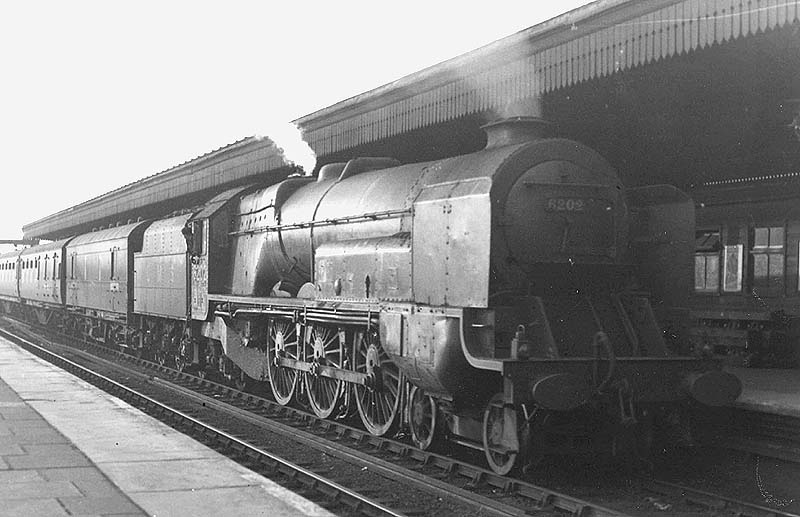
column 288, row 138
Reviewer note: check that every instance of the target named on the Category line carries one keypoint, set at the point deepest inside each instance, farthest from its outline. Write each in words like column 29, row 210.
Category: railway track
column 445, row 478
column 766, row 434
column 244, row 433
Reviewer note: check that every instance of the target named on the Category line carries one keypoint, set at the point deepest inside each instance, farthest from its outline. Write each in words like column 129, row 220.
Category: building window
column 706, row 261
column 768, row 257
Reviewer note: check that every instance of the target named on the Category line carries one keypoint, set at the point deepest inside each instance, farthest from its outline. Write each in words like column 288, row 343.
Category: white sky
column 97, row 94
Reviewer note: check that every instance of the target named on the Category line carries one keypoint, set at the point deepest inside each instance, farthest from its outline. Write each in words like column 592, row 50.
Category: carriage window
column 768, row 257
column 113, row 262
column 55, row 267
column 706, row 260
column 72, row 266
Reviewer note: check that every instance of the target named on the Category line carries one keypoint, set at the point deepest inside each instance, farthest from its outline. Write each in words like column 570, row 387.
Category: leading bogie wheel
column 378, row 402
column 282, row 342
column 324, row 347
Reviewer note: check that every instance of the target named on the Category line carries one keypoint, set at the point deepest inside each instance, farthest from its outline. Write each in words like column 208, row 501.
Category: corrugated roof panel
column 597, row 40
column 151, row 196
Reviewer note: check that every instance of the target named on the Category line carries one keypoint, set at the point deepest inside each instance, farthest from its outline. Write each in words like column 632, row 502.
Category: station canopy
column 669, row 91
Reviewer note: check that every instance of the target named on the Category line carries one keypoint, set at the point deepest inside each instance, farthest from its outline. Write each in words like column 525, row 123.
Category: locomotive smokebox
column 515, row 130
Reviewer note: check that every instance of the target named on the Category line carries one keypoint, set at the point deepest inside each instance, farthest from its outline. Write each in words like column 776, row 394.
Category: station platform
column 770, row 390
column 68, row 448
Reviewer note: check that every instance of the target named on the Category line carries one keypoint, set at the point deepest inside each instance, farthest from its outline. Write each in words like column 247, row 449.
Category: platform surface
column 68, row 448
column 769, row 390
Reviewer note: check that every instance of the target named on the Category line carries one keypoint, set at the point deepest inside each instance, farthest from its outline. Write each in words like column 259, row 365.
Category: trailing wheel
column 500, row 459
column 379, row 401
column 324, row 347
column 282, row 343
column 423, row 419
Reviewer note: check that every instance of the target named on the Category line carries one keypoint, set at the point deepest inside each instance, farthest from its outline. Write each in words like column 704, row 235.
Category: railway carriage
column 9, row 286
column 98, row 282
column 41, row 271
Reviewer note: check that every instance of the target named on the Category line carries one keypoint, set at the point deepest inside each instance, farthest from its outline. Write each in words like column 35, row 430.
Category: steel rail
column 311, row 480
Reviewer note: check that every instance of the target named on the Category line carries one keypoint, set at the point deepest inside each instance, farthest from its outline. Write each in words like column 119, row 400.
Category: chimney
column 515, row 130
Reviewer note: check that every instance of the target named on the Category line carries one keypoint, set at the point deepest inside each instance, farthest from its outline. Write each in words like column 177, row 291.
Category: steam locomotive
column 506, row 300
